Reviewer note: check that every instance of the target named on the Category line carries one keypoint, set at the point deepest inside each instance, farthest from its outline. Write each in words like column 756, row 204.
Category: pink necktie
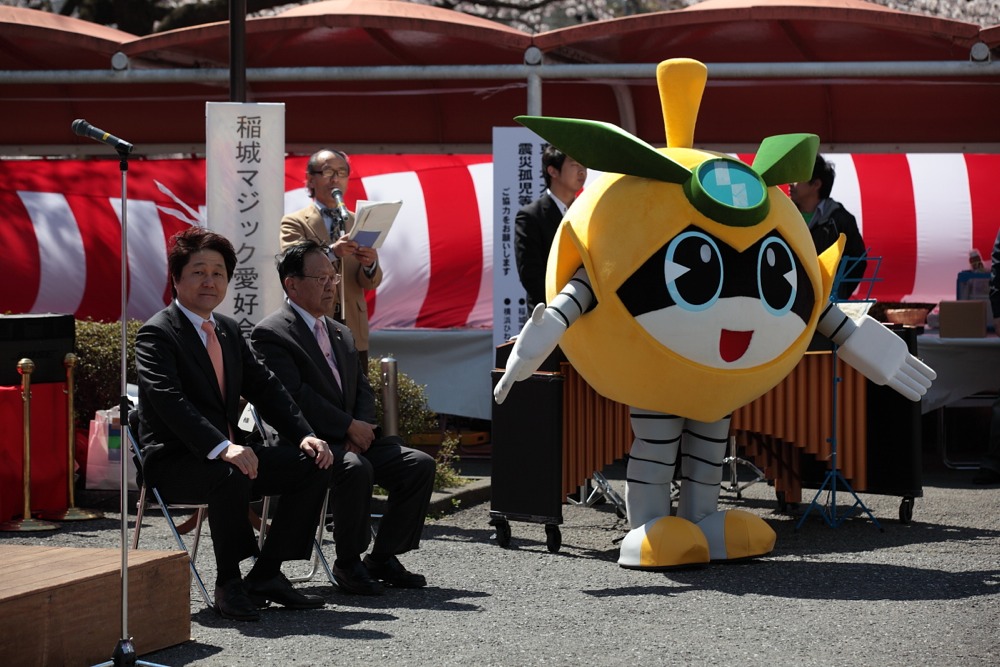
column 214, row 353
column 323, row 338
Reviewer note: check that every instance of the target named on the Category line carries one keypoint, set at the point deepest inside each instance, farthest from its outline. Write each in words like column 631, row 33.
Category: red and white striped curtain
column 60, row 226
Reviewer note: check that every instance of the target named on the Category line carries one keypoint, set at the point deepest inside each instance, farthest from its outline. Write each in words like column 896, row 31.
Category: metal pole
column 26, row 523
column 72, row 512
column 834, row 72
column 533, row 59
column 237, row 51
column 390, row 397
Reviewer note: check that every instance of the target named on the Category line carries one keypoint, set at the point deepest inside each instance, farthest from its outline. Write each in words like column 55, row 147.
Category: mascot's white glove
column 537, row 340
column 882, row 357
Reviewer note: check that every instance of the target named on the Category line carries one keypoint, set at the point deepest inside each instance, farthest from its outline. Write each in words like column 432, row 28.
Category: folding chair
column 199, row 509
column 318, row 558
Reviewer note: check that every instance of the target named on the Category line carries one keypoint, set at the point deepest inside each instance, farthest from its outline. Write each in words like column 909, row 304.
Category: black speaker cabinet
column 527, row 450
column 46, row 339
column 895, row 436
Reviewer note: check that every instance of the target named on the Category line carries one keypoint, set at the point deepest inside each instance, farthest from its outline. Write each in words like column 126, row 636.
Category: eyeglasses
column 331, row 173
column 332, row 278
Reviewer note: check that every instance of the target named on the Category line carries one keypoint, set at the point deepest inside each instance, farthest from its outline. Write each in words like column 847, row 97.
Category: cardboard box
column 962, row 319
column 975, row 285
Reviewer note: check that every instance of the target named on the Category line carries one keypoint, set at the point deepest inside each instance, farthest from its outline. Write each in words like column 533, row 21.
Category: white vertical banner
column 245, row 199
column 517, row 181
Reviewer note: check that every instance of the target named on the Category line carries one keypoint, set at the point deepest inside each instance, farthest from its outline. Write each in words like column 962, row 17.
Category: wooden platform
column 62, row 606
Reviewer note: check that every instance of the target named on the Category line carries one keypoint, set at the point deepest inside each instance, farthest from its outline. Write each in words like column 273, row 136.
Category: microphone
column 338, row 199
column 85, row 129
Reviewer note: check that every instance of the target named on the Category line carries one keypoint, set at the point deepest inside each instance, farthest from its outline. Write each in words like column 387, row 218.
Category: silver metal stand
column 601, row 490
column 734, row 462
column 833, row 477
column 124, row 654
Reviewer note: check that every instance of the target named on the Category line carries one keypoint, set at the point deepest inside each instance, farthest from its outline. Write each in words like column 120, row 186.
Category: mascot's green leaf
column 606, row 147
column 786, row 158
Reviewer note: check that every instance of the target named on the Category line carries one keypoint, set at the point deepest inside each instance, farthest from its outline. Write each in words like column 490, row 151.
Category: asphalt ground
column 925, row 592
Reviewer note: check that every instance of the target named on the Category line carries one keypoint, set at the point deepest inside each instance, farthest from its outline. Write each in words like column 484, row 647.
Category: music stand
column 833, row 476
column 124, row 653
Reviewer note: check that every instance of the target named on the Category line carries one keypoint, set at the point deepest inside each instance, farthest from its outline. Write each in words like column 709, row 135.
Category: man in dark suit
column 193, row 366
column 535, row 224
column 315, row 358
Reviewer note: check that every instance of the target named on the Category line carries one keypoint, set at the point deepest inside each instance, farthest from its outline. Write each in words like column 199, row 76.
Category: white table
column 964, row 366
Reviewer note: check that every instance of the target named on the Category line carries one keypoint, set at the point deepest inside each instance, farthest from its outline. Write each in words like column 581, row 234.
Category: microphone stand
column 124, row 654
column 341, row 229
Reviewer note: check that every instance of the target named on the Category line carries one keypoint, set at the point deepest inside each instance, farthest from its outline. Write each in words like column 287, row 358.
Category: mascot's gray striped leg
column 699, row 532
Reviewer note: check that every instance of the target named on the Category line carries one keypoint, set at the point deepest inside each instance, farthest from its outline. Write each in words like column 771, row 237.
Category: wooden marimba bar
column 796, row 417
column 596, row 431
column 793, row 418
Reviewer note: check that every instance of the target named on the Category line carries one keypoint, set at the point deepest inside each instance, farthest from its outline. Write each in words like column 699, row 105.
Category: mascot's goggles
column 728, row 191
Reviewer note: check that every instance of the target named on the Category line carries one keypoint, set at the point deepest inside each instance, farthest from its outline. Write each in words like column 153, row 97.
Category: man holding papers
column 323, row 221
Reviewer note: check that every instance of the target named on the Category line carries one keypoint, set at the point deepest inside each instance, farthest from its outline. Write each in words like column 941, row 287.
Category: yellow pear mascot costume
column 685, row 284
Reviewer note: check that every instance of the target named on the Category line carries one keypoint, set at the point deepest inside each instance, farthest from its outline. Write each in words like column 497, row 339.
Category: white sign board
column 245, row 198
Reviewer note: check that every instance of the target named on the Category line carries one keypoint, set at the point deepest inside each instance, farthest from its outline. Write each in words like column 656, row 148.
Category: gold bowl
column 916, row 317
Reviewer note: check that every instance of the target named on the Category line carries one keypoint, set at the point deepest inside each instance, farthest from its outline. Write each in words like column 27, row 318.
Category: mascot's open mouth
column 734, row 344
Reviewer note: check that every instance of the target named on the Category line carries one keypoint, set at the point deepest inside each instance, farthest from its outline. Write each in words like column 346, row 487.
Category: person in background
column 535, row 224
column 315, row 358
column 194, row 366
column 989, row 467
column 328, row 170
column 827, row 220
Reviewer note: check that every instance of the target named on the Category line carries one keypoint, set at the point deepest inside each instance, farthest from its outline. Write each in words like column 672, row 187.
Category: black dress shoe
column 356, row 579
column 279, row 589
column 232, row 601
column 394, row 574
column 986, row 476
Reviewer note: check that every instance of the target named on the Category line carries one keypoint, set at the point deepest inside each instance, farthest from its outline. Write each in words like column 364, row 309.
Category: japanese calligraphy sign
column 245, row 169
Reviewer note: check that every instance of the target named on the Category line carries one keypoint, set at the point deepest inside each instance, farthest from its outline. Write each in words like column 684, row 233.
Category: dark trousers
column 406, row 474
column 181, row 477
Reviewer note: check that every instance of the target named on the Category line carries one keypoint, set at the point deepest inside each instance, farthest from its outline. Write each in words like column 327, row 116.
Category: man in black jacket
column 316, row 359
column 828, row 219
column 535, row 224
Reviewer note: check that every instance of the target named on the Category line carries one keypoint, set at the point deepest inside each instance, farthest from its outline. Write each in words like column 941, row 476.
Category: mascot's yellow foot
column 736, row 534
column 663, row 543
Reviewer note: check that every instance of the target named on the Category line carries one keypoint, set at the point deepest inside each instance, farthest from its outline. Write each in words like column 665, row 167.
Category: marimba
column 788, row 432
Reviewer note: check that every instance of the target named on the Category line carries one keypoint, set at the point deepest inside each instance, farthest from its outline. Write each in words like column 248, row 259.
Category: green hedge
column 97, row 379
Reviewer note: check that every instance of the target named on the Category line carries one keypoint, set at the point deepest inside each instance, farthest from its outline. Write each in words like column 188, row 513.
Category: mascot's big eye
column 777, row 279
column 693, row 271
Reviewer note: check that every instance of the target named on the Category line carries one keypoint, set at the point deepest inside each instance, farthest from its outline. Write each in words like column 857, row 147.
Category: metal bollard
column 390, row 397
column 72, row 512
column 26, row 523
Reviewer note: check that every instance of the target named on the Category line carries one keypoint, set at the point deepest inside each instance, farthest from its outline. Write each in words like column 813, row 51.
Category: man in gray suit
column 315, row 358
